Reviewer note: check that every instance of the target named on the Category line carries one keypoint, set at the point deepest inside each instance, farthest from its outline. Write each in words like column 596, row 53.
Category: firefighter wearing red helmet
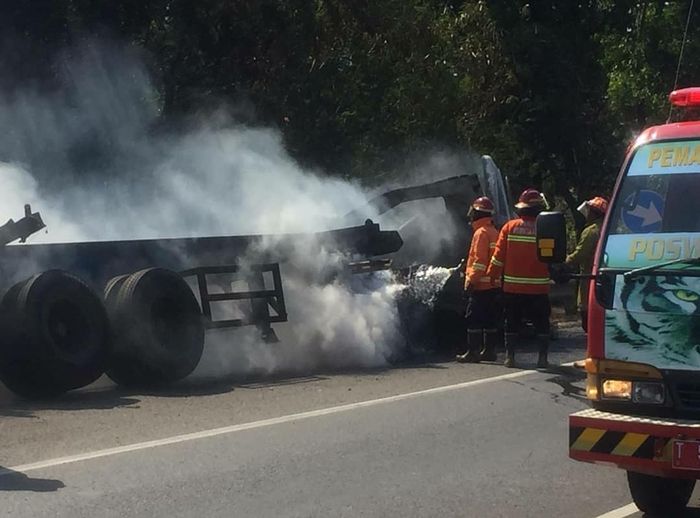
column 582, row 257
column 484, row 308
column 525, row 278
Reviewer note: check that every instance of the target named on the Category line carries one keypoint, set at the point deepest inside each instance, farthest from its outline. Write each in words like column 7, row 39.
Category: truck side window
column 682, row 215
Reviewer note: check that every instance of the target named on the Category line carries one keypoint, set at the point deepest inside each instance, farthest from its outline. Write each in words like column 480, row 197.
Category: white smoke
column 94, row 154
column 209, row 182
column 331, row 326
column 87, row 158
column 20, row 187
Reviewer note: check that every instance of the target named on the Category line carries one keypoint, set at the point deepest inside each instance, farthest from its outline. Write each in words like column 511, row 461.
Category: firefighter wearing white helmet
column 483, row 309
column 582, row 257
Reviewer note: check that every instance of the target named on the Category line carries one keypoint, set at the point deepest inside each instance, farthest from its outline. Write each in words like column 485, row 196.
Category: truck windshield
column 657, row 204
column 655, row 217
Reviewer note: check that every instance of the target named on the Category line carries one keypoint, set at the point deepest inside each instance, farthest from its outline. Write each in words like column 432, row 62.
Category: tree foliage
column 553, row 89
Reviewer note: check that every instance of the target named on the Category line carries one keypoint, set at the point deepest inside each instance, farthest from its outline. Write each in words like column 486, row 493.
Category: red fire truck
column 643, row 357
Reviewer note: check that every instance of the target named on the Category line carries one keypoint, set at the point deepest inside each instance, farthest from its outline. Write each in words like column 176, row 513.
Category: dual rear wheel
column 157, row 327
column 56, row 334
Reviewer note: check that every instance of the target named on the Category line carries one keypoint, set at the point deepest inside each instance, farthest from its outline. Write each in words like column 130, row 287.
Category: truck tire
column 54, row 335
column 112, row 289
column 659, row 496
column 158, row 329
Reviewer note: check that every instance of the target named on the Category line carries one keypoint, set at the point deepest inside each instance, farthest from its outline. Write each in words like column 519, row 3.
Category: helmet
column 597, row 204
column 483, row 204
column 530, row 198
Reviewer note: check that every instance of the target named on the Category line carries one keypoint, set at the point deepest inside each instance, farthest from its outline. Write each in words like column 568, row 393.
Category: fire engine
column 643, row 353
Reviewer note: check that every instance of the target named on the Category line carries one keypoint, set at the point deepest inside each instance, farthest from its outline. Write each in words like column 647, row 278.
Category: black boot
column 488, row 353
column 475, row 338
column 511, row 338
column 543, row 341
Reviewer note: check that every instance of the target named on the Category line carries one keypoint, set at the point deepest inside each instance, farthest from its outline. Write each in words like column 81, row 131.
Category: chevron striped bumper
column 642, row 444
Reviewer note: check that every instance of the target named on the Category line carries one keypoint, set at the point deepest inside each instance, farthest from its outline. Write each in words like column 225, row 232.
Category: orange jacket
column 480, row 252
column 515, row 258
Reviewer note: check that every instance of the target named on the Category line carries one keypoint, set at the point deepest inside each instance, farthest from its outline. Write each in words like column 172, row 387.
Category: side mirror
column 551, row 237
column 605, row 288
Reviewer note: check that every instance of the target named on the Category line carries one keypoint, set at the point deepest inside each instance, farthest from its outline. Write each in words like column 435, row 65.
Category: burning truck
column 138, row 310
column 432, row 304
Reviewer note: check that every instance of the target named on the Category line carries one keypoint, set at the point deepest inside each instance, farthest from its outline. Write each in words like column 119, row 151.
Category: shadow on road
column 692, row 512
column 281, row 382
column 16, row 412
column 15, row 481
column 195, row 387
column 98, row 400
column 111, row 397
column 569, row 379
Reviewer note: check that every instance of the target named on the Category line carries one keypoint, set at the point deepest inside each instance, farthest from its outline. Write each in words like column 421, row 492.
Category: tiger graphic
column 655, row 320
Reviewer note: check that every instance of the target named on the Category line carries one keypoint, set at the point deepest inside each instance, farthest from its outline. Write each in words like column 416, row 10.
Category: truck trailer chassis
column 138, row 310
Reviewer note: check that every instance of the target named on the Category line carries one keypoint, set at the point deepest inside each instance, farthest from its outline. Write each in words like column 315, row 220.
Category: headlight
column 644, row 392
column 648, row 392
column 617, row 389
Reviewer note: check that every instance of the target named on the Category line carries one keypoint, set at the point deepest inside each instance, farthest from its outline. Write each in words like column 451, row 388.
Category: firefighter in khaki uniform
column 582, row 257
column 484, row 309
column 525, row 278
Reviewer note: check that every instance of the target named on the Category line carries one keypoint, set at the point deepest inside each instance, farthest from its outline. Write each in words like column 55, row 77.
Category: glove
column 560, row 273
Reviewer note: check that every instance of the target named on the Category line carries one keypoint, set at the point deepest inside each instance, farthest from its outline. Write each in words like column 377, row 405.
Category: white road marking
column 622, row 512
column 108, row 452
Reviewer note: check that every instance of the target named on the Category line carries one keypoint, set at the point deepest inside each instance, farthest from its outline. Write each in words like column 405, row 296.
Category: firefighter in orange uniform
column 484, row 309
column 525, row 278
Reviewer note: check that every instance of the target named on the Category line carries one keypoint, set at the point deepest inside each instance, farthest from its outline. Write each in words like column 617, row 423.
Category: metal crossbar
column 261, row 299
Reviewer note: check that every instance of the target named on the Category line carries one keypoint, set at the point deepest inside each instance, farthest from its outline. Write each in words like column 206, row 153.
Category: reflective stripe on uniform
column 526, row 280
column 496, row 261
column 521, row 239
column 479, row 266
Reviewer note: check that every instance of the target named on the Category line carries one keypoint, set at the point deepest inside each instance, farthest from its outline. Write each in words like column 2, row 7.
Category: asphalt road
column 425, row 439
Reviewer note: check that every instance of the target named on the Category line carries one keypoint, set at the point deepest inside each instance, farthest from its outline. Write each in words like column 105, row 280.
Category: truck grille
column 689, row 395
